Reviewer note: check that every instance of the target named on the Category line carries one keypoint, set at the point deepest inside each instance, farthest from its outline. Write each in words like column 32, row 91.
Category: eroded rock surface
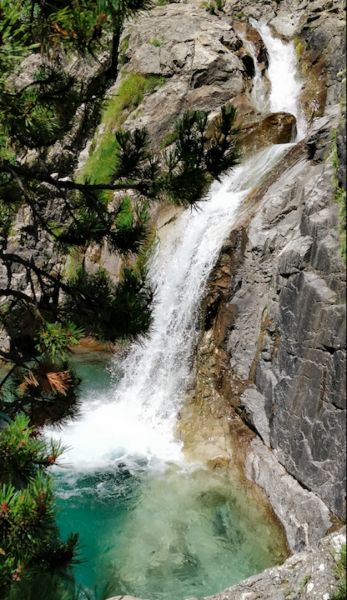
column 280, row 320
column 197, row 53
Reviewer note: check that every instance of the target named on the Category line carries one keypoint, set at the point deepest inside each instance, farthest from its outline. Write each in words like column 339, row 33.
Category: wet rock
column 303, row 515
column 277, row 128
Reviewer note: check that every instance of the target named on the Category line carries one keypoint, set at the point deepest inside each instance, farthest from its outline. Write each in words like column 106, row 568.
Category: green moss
column 299, row 47
column 156, row 42
column 340, row 573
column 102, row 161
column 128, row 96
column 168, row 139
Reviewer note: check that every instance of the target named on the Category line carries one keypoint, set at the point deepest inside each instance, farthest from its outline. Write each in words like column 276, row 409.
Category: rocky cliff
column 276, row 305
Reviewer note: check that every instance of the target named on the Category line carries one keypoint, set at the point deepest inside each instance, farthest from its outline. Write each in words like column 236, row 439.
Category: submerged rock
column 310, row 574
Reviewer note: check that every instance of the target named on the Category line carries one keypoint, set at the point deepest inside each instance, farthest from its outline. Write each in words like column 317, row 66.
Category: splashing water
column 137, row 418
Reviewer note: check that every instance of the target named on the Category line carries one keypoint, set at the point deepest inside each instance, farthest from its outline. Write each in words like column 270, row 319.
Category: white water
column 259, row 92
column 283, row 74
column 135, row 423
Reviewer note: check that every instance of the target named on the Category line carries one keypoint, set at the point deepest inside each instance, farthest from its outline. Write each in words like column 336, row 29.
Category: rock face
column 280, row 320
column 198, row 56
column 276, row 128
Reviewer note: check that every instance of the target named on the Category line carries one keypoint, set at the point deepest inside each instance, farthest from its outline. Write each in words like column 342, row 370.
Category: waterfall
column 135, row 423
column 259, row 95
column 283, row 74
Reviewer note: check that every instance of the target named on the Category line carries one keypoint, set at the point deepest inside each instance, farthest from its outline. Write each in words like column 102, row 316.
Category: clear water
column 161, row 534
column 152, row 525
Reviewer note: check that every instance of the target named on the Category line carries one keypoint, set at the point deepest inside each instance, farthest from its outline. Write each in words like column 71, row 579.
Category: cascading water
column 283, row 74
column 259, row 92
column 165, row 530
column 137, row 419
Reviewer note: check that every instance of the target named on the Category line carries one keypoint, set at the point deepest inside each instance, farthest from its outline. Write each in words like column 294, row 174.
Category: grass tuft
column 102, row 161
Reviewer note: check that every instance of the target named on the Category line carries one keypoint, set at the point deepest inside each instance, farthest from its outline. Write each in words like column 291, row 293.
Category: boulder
column 276, row 128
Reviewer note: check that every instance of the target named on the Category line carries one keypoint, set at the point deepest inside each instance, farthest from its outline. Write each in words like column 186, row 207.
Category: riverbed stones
column 307, row 575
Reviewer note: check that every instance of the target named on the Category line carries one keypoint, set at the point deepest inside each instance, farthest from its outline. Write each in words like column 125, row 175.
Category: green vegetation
column 304, row 582
column 120, row 311
column 168, row 139
column 214, row 6
column 299, row 47
column 123, row 47
column 28, row 533
column 156, row 42
column 341, row 593
column 102, row 161
column 58, row 304
column 129, row 95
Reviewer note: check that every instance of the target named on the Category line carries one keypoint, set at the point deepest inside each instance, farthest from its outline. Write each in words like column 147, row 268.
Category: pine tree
column 29, row 538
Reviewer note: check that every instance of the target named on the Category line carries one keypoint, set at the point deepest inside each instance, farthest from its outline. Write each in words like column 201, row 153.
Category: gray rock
column 252, row 403
column 303, row 515
column 286, row 341
column 306, row 575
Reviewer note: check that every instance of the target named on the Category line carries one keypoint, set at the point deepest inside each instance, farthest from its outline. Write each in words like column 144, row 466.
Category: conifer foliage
column 28, row 533
column 47, row 315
